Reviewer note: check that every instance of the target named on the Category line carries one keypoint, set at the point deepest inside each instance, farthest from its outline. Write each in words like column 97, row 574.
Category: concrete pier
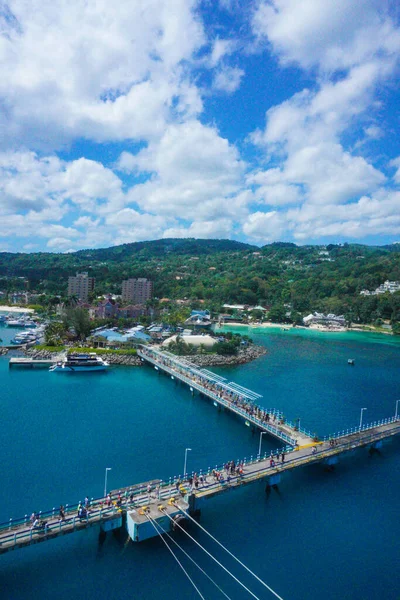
column 134, row 505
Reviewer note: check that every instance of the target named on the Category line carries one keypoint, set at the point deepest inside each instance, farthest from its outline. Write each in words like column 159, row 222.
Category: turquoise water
column 334, row 535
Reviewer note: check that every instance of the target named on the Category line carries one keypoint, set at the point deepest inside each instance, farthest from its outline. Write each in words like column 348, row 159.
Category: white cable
column 178, row 561
column 213, row 557
column 192, row 559
column 233, row 556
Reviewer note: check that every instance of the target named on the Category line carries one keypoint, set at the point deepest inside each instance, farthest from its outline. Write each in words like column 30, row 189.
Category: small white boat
column 80, row 363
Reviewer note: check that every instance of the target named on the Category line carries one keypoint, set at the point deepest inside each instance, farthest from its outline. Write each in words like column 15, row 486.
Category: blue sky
column 261, row 121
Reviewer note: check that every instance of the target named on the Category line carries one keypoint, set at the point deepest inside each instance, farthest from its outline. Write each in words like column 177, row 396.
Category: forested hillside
column 305, row 277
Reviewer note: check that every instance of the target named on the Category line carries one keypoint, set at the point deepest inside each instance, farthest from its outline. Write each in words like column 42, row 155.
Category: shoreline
column 203, row 360
column 15, row 309
column 321, row 328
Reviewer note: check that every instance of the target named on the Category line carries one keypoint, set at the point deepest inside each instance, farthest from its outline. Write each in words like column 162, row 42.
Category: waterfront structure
column 107, row 308
column 387, row 286
column 166, row 503
column 81, row 286
column 330, row 320
column 137, row 291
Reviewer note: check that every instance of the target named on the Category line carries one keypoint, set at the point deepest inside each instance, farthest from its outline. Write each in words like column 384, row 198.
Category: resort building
column 330, row 320
column 137, row 291
column 81, row 286
column 388, row 286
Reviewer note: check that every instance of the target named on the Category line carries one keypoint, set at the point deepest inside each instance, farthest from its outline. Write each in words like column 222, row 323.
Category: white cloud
column 192, row 169
column 104, row 70
column 219, row 228
column 227, row 79
column 330, row 34
column 265, row 227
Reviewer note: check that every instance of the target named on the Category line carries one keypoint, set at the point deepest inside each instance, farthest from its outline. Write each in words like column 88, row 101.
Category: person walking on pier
column 62, row 513
column 283, row 457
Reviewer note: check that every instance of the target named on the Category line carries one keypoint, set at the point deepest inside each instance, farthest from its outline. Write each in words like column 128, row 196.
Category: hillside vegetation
column 307, row 278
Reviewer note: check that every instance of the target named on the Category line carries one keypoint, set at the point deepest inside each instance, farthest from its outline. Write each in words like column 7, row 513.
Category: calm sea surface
column 331, row 535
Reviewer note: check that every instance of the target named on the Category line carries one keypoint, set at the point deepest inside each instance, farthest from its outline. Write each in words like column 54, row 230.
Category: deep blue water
column 334, row 535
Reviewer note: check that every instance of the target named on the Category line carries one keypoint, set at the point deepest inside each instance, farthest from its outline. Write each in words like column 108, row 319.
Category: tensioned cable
column 191, row 559
column 177, row 560
column 214, row 559
column 233, row 556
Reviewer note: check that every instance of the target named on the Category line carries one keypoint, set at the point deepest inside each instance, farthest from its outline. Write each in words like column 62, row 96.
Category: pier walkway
column 108, row 513
column 229, row 395
column 19, row 361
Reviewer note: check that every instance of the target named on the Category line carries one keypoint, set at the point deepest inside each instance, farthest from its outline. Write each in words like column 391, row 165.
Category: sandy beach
column 15, row 309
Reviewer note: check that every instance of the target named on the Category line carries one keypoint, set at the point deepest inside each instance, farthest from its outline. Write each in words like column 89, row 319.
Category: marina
column 138, row 506
column 131, row 505
column 307, row 501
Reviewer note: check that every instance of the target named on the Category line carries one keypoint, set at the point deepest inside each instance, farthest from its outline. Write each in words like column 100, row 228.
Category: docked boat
column 80, row 363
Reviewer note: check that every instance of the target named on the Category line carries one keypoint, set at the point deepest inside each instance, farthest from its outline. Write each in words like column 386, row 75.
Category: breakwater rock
column 113, row 359
column 244, row 355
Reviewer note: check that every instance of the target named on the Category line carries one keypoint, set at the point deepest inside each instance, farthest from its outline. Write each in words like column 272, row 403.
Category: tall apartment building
column 137, row 291
column 81, row 286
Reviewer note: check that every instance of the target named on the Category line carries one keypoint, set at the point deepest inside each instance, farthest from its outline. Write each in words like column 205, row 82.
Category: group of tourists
column 219, row 389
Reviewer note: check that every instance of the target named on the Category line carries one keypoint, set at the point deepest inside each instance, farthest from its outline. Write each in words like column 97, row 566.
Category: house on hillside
column 107, row 308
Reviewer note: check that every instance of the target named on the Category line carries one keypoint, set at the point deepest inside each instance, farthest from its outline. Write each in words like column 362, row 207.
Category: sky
column 259, row 121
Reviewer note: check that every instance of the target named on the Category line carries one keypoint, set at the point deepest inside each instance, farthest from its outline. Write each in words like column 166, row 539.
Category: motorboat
column 79, row 363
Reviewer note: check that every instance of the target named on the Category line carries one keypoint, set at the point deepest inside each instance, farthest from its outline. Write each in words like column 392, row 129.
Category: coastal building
column 329, row 320
column 107, row 308
column 132, row 311
column 387, row 286
column 137, row 291
column 81, row 286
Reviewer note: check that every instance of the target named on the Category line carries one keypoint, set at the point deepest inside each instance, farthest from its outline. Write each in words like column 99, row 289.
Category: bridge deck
column 18, row 533
column 235, row 398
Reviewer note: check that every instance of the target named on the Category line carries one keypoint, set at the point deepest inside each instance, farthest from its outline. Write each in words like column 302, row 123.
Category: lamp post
column 105, row 481
column 184, row 465
column 259, row 445
column 361, row 417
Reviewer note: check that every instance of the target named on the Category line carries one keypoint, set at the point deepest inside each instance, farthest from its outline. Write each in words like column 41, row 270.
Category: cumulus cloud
column 227, row 79
column 118, row 75
column 330, row 35
column 192, row 170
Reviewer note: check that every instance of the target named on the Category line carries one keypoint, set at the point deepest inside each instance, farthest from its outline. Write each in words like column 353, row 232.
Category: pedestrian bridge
column 229, row 395
column 178, row 495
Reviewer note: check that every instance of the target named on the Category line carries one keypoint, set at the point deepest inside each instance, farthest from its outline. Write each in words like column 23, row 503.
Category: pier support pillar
column 193, row 509
column 272, row 482
column 330, row 462
column 375, row 448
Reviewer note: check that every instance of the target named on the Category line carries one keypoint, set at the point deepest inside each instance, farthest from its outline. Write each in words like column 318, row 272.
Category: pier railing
column 366, row 427
column 18, row 532
column 262, row 424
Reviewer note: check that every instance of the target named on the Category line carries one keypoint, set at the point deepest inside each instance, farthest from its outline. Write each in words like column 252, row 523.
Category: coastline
column 322, row 328
column 202, row 360
column 15, row 309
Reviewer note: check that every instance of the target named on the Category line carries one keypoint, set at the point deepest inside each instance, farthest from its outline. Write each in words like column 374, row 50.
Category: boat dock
column 29, row 363
column 140, row 508
column 228, row 395
column 164, row 501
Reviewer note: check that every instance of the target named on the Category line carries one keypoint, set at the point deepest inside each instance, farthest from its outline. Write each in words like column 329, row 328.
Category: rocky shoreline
column 244, row 355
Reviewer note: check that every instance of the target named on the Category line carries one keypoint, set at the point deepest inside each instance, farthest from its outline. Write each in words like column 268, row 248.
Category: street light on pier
column 361, row 417
column 184, row 465
column 105, row 481
column 259, row 445
column 397, row 409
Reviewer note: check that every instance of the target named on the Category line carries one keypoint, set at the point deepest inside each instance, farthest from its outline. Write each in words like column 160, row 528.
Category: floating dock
column 29, row 363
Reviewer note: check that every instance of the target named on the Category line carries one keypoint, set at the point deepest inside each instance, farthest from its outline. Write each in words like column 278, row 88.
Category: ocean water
column 334, row 535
